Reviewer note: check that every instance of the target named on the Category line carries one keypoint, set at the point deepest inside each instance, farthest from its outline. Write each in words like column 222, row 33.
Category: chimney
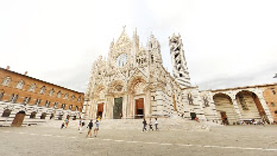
column 26, row 72
column 8, row 67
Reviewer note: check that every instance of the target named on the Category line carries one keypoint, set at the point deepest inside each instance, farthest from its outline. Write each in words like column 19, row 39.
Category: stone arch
column 249, row 105
column 33, row 115
column 225, row 108
column 43, row 115
column 99, row 91
column 6, row 113
column 137, row 85
column 116, row 86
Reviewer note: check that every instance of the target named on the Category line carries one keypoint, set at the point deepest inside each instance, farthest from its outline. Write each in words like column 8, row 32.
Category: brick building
column 270, row 96
column 36, row 98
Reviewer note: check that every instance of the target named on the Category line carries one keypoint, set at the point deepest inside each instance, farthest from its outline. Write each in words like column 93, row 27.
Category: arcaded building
column 36, row 98
column 132, row 83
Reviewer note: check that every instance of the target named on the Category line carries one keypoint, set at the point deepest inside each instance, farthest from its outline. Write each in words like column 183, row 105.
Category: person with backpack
column 90, row 125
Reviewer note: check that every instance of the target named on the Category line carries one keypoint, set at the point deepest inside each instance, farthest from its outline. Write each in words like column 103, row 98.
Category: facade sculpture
column 132, row 83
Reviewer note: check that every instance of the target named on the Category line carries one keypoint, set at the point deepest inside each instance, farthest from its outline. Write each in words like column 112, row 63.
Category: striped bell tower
column 180, row 69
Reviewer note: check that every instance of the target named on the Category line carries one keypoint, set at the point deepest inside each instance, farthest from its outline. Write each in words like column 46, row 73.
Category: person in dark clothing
column 90, row 125
column 144, row 125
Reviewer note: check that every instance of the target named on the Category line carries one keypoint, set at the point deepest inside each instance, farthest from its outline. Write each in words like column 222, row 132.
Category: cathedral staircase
column 172, row 123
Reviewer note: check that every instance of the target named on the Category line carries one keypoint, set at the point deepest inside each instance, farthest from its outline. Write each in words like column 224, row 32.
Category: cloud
column 227, row 43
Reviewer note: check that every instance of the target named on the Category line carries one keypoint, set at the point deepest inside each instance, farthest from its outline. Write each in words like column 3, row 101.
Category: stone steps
column 163, row 124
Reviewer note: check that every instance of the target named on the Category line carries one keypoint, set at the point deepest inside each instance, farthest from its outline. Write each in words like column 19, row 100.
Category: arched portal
column 136, row 87
column 250, row 105
column 225, row 109
column 18, row 120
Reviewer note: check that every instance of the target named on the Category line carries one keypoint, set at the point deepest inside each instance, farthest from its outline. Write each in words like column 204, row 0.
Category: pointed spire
column 124, row 26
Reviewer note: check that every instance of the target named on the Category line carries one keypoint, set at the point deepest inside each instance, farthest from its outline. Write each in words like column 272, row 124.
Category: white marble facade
column 136, row 74
column 132, row 82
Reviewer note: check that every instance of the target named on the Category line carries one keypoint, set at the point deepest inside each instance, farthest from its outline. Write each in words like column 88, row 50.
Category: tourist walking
column 144, row 125
column 156, row 124
column 79, row 123
column 150, row 125
column 63, row 124
column 90, row 125
column 66, row 122
column 96, row 129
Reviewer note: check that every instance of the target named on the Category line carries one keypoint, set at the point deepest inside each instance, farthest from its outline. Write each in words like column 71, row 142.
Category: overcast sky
column 227, row 43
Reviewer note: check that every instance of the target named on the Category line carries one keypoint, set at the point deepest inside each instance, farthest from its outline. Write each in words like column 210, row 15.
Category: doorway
column 193, row 115
column 139, row 108
column 117, row 108
column 224, row 118
column 18, row 120
column 100, row 109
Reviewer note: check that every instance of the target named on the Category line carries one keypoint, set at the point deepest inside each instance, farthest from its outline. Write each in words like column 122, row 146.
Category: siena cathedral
column 132, row 83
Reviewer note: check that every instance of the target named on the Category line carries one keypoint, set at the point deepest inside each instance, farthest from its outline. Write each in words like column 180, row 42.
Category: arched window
column 66, row 96
column 76, row 108
column 70, row 107
column 6, row 81
column 55, row 105
column 32, row 87
column 47, row 103
column 51, row 92
column 63, row 106
column 38, row 102
column 72, row 97
column 79, row 99
column 42, row 90
column 20, row 84
column 26, row 100
column 59, row 94
column 190, row 99
column 14, row 98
